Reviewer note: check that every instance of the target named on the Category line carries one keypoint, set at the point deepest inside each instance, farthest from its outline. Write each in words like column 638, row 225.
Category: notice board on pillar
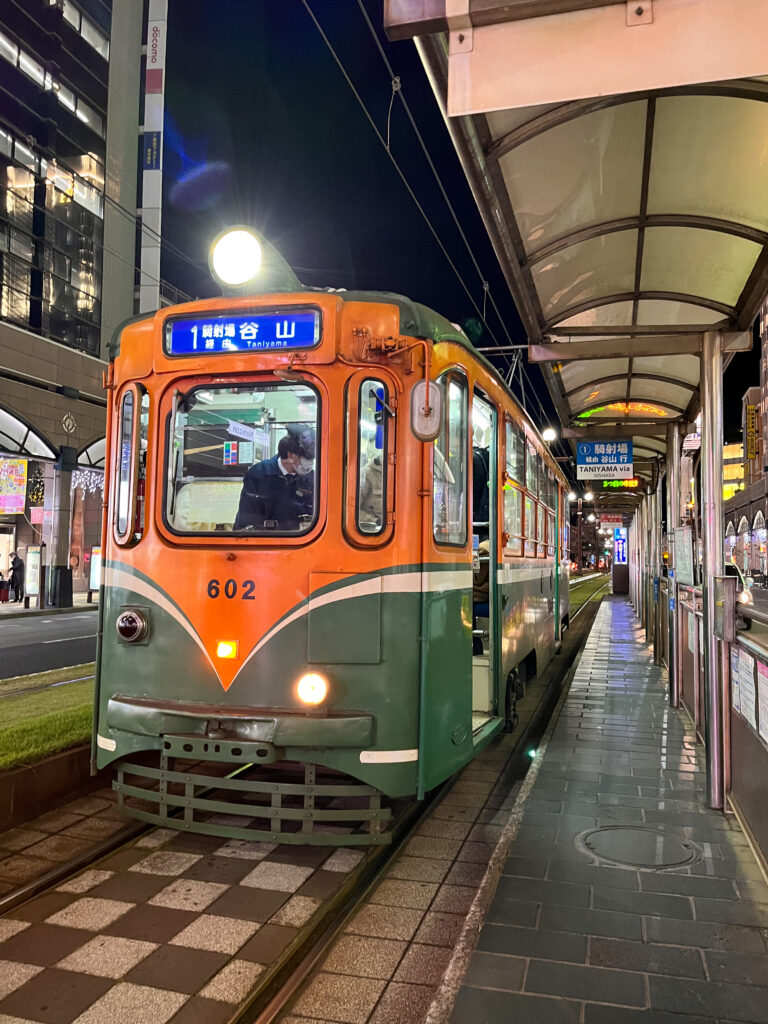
column 683, row 545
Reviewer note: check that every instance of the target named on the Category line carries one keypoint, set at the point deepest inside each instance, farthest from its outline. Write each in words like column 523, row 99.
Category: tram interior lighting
column 312, row 688
column 226, row 649
column 236, row 257
column 549, row 434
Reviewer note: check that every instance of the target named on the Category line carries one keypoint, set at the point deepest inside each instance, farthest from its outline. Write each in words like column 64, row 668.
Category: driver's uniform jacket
column 273, row 500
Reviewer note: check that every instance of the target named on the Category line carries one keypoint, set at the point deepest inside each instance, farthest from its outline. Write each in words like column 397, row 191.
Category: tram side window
column 372, row 455
column 449, row 515
column 133, row 423
column 531, row 470
column 241, row 460
column 515, row 439
column 530, row 527
column 513, row 519
column 541, row 530
column 550, row 535
column 125, row 469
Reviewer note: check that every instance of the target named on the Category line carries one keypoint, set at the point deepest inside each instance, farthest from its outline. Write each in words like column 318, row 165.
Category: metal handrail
column 746, row 612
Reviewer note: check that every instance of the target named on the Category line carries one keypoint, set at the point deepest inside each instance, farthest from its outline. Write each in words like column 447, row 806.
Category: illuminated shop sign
column 249, row 332
column 629, row 485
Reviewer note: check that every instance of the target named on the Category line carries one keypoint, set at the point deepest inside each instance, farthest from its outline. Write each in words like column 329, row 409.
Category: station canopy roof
column 627, row 223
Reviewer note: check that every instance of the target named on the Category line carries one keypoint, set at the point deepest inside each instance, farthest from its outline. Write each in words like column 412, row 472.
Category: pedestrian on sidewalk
column 17, row 576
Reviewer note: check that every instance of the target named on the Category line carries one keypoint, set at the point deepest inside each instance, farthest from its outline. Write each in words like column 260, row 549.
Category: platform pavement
column 12, row 610
column 574, row 939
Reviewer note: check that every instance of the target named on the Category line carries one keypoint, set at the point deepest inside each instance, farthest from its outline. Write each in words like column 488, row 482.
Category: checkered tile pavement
column 175, row 927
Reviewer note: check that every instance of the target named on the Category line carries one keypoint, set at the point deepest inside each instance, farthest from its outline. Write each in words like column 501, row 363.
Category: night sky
column 262, row 129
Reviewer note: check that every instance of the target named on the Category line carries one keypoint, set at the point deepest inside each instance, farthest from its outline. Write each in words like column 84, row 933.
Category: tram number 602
column 231, row 588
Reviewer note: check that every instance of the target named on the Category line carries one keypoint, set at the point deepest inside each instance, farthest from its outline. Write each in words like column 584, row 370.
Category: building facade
column 69, row 119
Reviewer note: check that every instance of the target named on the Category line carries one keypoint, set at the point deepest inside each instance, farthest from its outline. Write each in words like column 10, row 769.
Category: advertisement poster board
column 762, row 699
column 94, row 579
column 13, row 486
column 683, row 541
column 735, row 701
column 32, row 573
column 747, row 687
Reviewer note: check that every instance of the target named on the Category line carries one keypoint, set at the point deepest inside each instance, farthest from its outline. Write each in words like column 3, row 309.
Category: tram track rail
column 277, row 989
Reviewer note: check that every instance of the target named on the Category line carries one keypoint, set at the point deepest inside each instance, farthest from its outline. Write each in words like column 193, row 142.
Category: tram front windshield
column 242, row 460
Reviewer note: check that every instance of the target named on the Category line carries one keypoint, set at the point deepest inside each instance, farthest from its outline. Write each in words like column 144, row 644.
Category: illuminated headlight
column 312, row 688
column 131, row 626
column 745, row 597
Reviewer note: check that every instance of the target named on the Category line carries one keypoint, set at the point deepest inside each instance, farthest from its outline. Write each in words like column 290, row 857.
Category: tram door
column 484, row 506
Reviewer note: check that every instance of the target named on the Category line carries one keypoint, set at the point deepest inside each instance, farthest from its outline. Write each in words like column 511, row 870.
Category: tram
column 299, row 485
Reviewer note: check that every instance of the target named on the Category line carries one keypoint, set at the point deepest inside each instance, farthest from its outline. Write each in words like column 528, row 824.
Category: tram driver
column 279, row 493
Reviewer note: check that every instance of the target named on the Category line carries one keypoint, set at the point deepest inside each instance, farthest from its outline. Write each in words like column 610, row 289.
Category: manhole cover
column 637, row 847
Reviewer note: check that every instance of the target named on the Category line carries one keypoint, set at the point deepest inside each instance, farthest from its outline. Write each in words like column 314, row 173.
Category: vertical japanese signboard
column 13, row 486
column 611, row 460
column 683, row 541
column 751, row 452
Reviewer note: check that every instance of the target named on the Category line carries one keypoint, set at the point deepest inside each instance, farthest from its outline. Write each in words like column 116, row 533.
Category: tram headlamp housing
column 236, row 257
column 132, row 625
column 312, row 689
column 245, row 263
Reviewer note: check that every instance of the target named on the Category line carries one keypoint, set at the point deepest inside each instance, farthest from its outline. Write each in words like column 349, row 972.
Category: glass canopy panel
column 593, row 269
column 710, row 158
column 579, row 374
column 584, row 172
column 612, row 314
column 663, row 311
column 674, row 367
column 589, row 396
column 502, row 122
column 665, row 392
column 694, row 261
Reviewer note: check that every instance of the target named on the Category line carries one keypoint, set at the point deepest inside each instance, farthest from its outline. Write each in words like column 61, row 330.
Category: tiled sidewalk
column 575, row 939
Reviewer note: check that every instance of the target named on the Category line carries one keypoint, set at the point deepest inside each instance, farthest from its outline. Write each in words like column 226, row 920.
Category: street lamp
column 549, row 434
column 587, row 496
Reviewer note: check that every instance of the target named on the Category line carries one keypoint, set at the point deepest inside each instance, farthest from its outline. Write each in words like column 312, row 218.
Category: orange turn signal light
column 226, row 649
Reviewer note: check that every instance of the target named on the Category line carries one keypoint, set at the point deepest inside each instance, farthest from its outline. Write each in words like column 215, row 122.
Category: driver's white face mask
column 304, row 466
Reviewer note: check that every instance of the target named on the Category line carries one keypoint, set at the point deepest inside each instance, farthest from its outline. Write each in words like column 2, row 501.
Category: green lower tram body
column 398, row 720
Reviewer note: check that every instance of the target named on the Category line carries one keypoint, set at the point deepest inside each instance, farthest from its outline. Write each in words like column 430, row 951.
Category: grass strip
column 44, row 722
column 54, row 675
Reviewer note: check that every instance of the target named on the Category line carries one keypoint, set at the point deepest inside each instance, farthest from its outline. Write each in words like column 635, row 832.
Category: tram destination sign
column 608, row 460
column 246, row 332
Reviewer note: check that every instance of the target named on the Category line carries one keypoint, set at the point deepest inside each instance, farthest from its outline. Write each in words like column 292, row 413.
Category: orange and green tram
column 299, row 487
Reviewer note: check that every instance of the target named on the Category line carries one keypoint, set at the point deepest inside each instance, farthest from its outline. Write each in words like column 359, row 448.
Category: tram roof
column 627, row 223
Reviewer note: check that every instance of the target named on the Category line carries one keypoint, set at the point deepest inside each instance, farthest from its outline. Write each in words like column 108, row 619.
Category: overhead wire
column 487, row 294
column 395, row 164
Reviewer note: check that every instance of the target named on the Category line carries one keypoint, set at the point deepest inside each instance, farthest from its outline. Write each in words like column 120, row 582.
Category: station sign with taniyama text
column 608, row 460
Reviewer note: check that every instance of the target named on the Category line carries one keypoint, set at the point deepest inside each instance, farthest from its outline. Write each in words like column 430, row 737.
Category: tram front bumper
column 276, row 727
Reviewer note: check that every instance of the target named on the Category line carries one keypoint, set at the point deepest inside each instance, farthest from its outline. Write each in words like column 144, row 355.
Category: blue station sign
column 608, row 460
column 620, row 545
column 246, row 332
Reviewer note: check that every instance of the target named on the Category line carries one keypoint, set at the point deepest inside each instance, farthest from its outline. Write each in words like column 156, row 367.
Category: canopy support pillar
column 673, row 520
column 712, row 535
